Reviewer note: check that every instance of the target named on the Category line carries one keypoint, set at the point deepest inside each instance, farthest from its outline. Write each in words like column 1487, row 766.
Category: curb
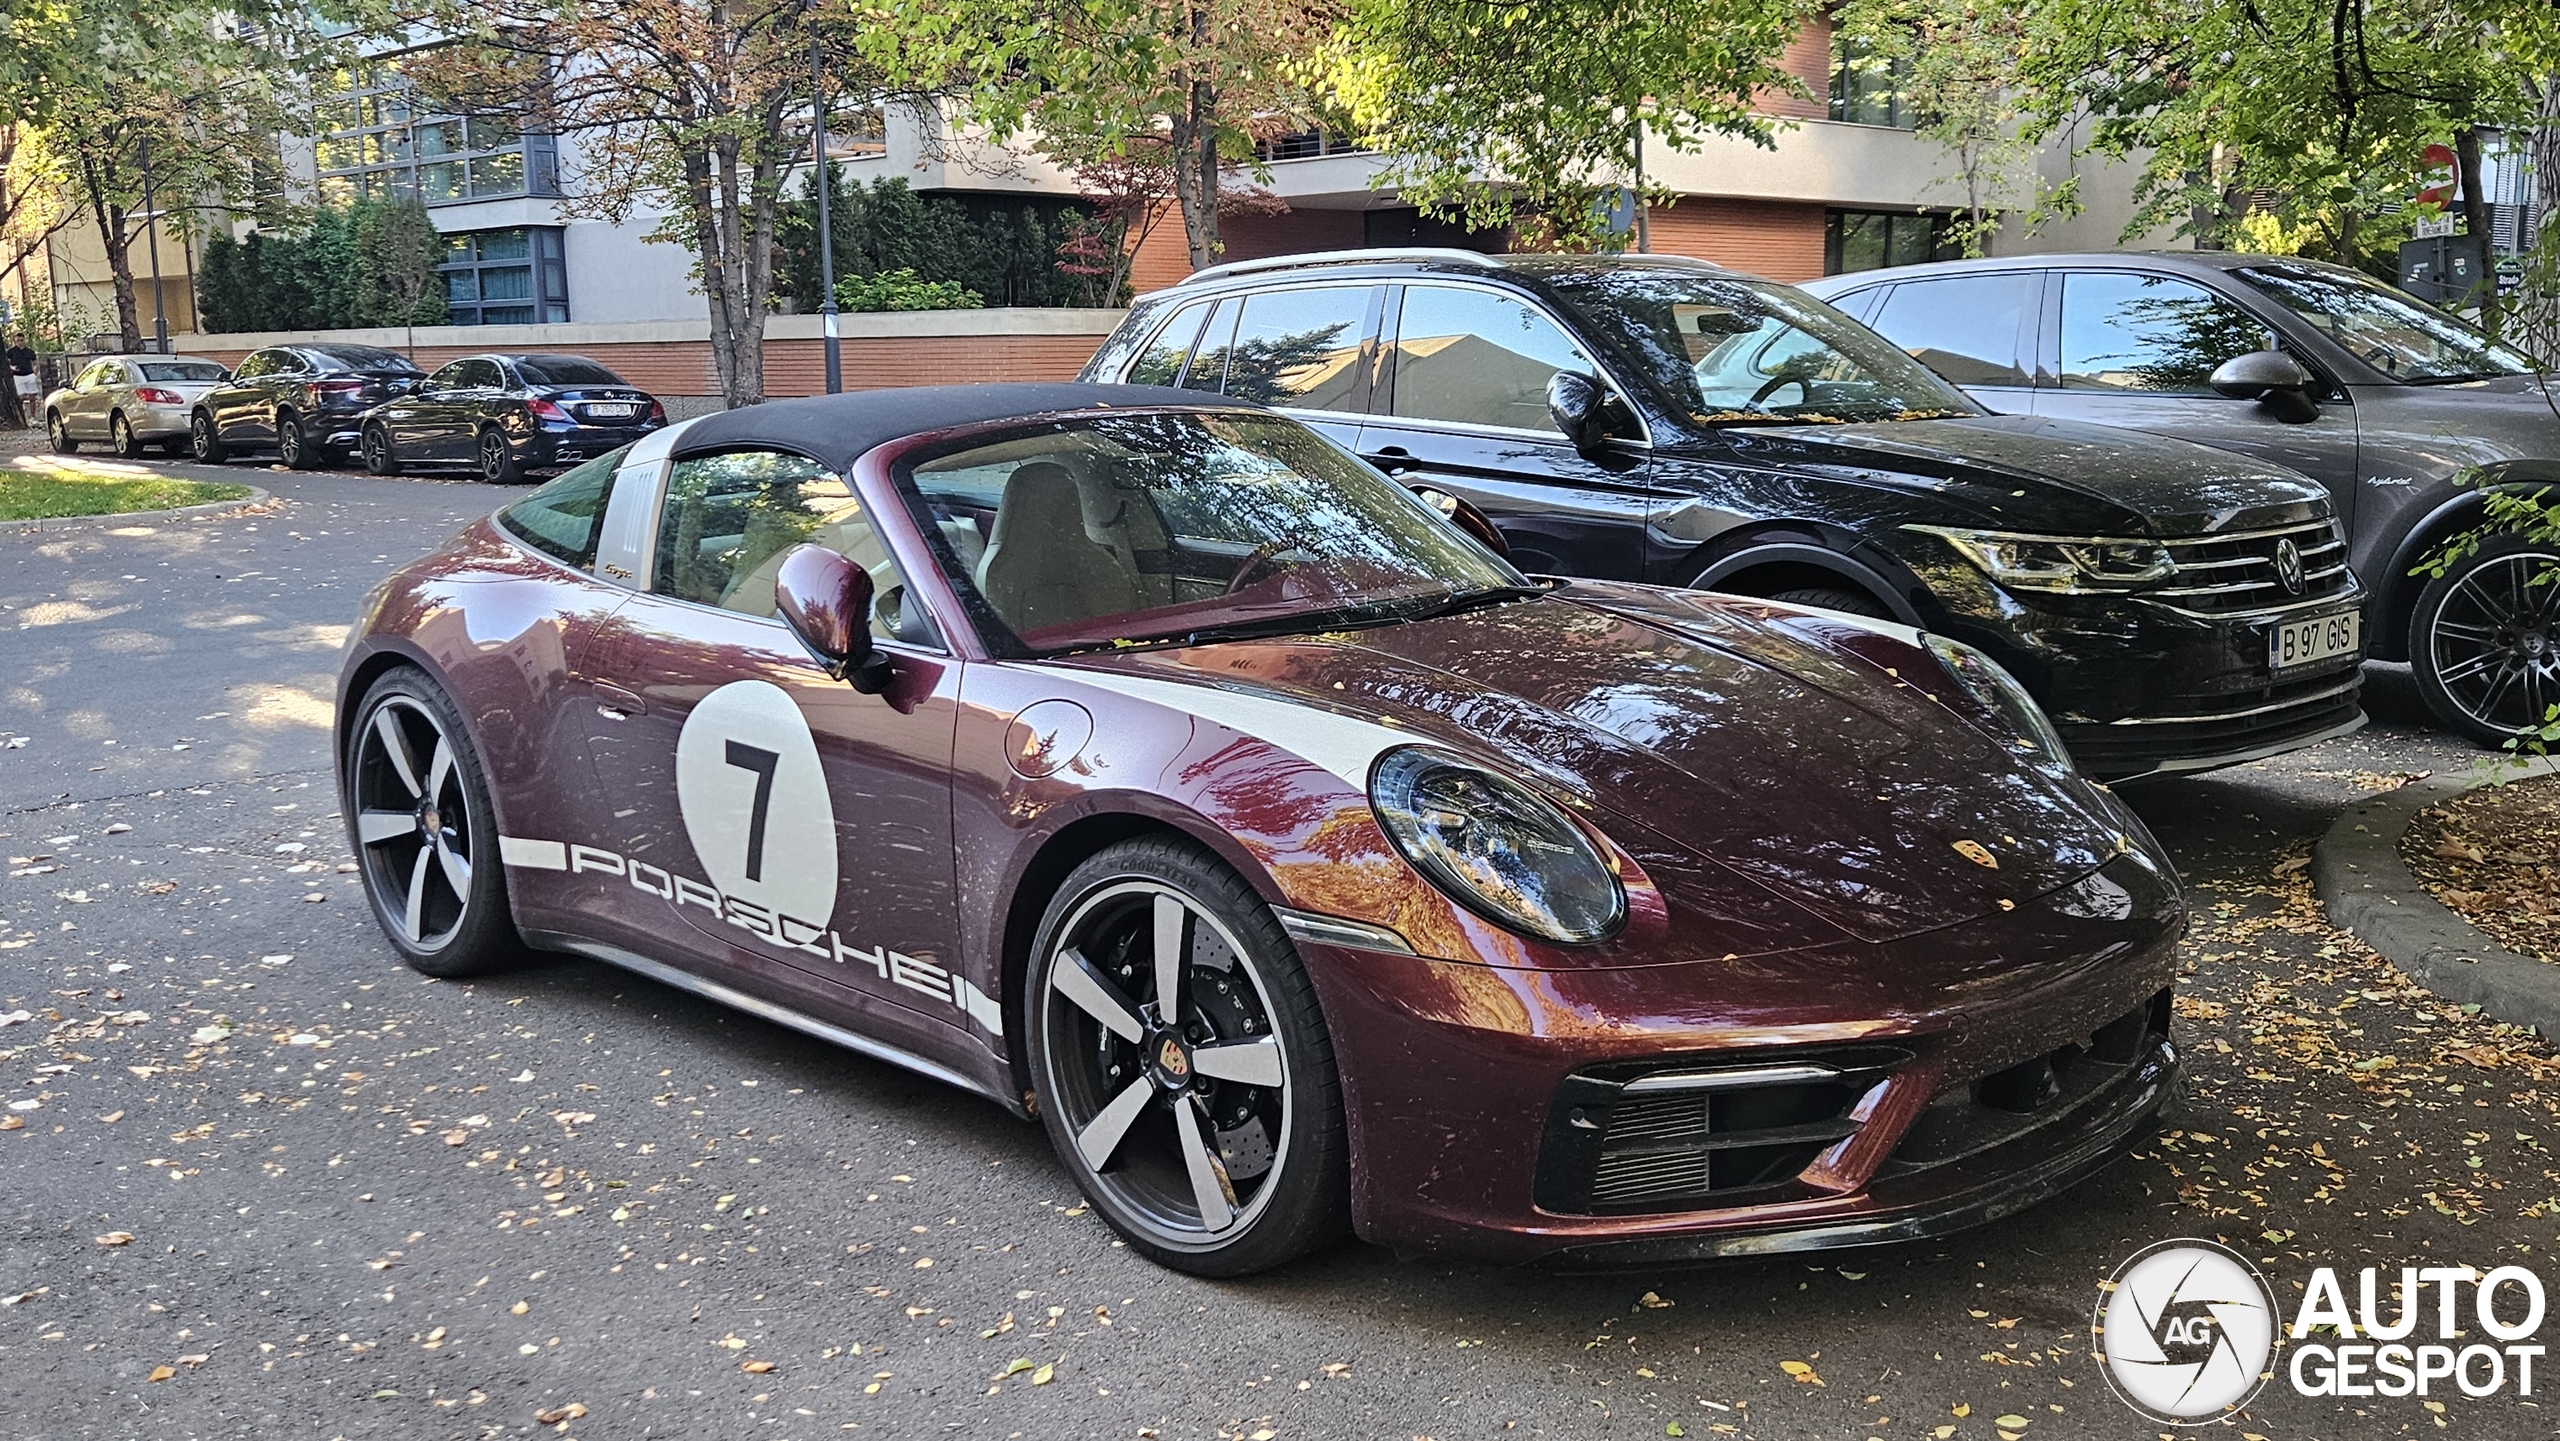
column 41, row 525
column 2370, row 894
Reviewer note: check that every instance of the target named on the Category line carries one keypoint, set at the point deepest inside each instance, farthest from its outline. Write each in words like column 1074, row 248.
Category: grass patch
column 42, row 491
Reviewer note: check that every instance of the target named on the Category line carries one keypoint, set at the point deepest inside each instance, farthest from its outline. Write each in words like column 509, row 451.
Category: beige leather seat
column 1042, row 568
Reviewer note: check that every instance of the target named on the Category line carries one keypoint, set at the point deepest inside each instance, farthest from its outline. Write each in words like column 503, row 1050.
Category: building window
column 377, row 138
column 505, row 277
column 1306, row 145
column 1866, row 88
column 1874, row 239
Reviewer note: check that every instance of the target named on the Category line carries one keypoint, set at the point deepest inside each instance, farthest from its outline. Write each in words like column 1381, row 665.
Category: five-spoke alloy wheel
column 2485, row 643
column 1182, row 1064
column 424, row 833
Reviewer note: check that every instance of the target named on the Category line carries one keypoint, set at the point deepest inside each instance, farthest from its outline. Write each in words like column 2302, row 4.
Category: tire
column 1836, row 597
column 497, row 460
column 2484, row 643
column 294, row 448
column 204, row 442
column 120, row 431
column 379, row 458
column 437, row 888
column 1140, row 1100
column 59, row 435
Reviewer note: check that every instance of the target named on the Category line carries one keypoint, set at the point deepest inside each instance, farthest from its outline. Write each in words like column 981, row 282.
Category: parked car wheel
column 2485, row 640
column 204, row 442
column 295, row 447
column 127, row 444
column 1836, row 597
column 378, row 456
column 59, row 435
column 1182, row 1064
column 424, row 832
column 498, row 460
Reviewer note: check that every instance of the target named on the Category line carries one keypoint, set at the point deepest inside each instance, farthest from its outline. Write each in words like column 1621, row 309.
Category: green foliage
column 1544, row 100
column 1003, row 250
column 369, row 264
column 903, row 289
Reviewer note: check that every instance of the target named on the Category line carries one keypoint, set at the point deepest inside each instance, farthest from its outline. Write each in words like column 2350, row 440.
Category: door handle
column 615, row 703
column 1392, row 459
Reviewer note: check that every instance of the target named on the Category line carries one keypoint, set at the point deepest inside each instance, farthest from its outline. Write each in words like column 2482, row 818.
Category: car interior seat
column 1043, row 566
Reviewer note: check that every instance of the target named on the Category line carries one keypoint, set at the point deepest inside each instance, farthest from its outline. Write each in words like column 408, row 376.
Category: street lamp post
column 151, row 228
column 826, row 222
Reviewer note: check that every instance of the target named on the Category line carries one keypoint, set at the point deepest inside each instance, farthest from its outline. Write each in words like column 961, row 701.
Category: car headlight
column 2062, row 565
column 1496, row 847
column 2005, row 702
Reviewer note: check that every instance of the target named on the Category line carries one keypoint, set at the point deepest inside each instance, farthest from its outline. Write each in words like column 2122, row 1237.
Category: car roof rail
column 1445, row 254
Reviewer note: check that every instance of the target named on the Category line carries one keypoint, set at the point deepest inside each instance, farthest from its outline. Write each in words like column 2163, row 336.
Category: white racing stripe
column 533, row 855
column 1341, row 744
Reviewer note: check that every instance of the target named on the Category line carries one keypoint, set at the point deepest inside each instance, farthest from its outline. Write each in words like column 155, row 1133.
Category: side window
column 1964, row 327
column 730, row 518
column 1478, row 358
column 563, row 518
column 449, row 377
column 260, row 362
column 483, row 375
column 1209, row 361
column 1301, row 347
column 91, row 378
column 2148, row 333
column 1162, row 360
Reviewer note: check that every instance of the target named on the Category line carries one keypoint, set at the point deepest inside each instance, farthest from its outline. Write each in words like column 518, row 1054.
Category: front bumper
column 1646, row 1113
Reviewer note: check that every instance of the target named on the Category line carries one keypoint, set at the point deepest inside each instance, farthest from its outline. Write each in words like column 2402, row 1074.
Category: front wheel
column 59, row 435
column 1184, row 1071
column 378, row 456
column 2484, row 641
column 498, row 460
column 204, row 442
column 425, row 835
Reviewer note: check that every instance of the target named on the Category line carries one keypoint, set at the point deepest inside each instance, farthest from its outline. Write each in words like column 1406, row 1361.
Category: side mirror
column 1579, row 408
column 2271, row 378
column 826, row 600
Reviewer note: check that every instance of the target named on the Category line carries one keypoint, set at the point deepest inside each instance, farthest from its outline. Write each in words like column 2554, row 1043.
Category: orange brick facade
column 1776, row 239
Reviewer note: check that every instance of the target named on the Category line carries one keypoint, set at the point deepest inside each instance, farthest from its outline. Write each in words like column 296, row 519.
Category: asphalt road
column 362, row 1204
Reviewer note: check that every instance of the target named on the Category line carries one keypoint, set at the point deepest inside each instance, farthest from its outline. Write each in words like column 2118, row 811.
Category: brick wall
column 1769, row 238
column 1808, row 59
column 1165, row 258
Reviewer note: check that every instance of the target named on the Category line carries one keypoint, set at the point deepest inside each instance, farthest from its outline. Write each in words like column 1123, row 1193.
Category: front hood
column 2030, row 473
column 2422, row 432
column 1722, row 742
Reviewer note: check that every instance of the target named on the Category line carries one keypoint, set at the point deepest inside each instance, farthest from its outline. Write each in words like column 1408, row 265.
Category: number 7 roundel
column 755, row 802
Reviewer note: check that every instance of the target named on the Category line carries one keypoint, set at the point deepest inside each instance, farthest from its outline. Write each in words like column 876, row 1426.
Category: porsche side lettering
column 788, row 933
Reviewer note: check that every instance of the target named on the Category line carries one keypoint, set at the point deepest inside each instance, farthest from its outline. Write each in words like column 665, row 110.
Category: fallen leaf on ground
column 1802, row 1373
column 116, row 1238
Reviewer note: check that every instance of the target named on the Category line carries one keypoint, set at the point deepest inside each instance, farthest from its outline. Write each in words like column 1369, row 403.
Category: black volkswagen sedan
column 300, row 400
column 507, row 415
column 2408, row 415
column 2173, row 607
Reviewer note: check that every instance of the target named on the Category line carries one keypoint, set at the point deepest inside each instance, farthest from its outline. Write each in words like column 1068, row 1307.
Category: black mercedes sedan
column 507, row 415
column 300, row 400
column 2171, row 606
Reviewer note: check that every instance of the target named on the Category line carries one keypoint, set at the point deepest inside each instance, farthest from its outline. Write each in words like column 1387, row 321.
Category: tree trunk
column 737, row 328
column 99, row 179
column 2475, row 213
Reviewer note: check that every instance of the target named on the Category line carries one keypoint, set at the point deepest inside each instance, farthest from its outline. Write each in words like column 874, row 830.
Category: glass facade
column 505, row 277
column 1866, row 88
column 378, row 138
column 1874, row 239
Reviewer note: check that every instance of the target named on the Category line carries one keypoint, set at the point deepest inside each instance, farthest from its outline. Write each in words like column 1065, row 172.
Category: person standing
column 25, row 384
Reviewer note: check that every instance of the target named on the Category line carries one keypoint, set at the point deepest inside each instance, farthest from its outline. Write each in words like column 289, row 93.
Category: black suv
column 2407, row 414
column 304, row 400
column 1649, row 418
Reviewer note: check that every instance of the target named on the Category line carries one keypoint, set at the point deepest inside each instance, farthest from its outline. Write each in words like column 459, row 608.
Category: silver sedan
column 129, row 402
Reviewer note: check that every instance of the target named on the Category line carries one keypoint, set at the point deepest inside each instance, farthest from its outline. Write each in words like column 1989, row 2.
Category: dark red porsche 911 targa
column 1156, row 767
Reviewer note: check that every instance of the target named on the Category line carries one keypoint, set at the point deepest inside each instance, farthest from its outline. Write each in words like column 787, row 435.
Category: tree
column 1492, row 110
column 1094, row 81
column 1955, row 67
column 697, row 105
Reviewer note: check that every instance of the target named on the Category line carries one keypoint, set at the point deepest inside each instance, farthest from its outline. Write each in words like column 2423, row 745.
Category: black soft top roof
column 834, row 430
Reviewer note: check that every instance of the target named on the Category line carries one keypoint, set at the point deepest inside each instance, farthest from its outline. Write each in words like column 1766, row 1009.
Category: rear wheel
column 120, row 431
column 498, row 460
column 426, row 837
column 1182, row 1064
column 294, row 447
column 2484, row 641
column 1836, row 597
column 204, row 442
column 378, row 457
column 59, row 435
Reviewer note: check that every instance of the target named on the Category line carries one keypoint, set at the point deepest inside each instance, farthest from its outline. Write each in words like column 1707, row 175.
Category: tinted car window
column 265, row 362
column 1208, row 369
column 1300, row 347
column 2148, row 333
column 181, row 370
column 1162, row 360
column 1964, row 327
column 564, row 370
column 482, row 375
column 1478, row 358
column 563, row 518
column 363, row 357
column 2390, row 330
column 450, row 377
column 730, row 519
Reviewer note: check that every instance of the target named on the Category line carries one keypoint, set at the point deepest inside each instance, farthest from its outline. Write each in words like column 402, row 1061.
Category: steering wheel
column 1780, row 382
column 1260, row 558
column 2382, row 358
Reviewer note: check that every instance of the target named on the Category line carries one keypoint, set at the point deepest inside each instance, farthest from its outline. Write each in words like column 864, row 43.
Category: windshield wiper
column 1458, row 600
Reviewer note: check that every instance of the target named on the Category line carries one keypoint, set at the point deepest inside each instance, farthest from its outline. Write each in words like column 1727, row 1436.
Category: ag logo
column 755, row 801
column 2186, row 1332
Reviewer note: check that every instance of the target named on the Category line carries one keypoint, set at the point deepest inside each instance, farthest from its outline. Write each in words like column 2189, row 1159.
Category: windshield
column 181, row 370
column 2399, row 335
column 1741, row 352
column 564, row 370
column 1121, row 529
